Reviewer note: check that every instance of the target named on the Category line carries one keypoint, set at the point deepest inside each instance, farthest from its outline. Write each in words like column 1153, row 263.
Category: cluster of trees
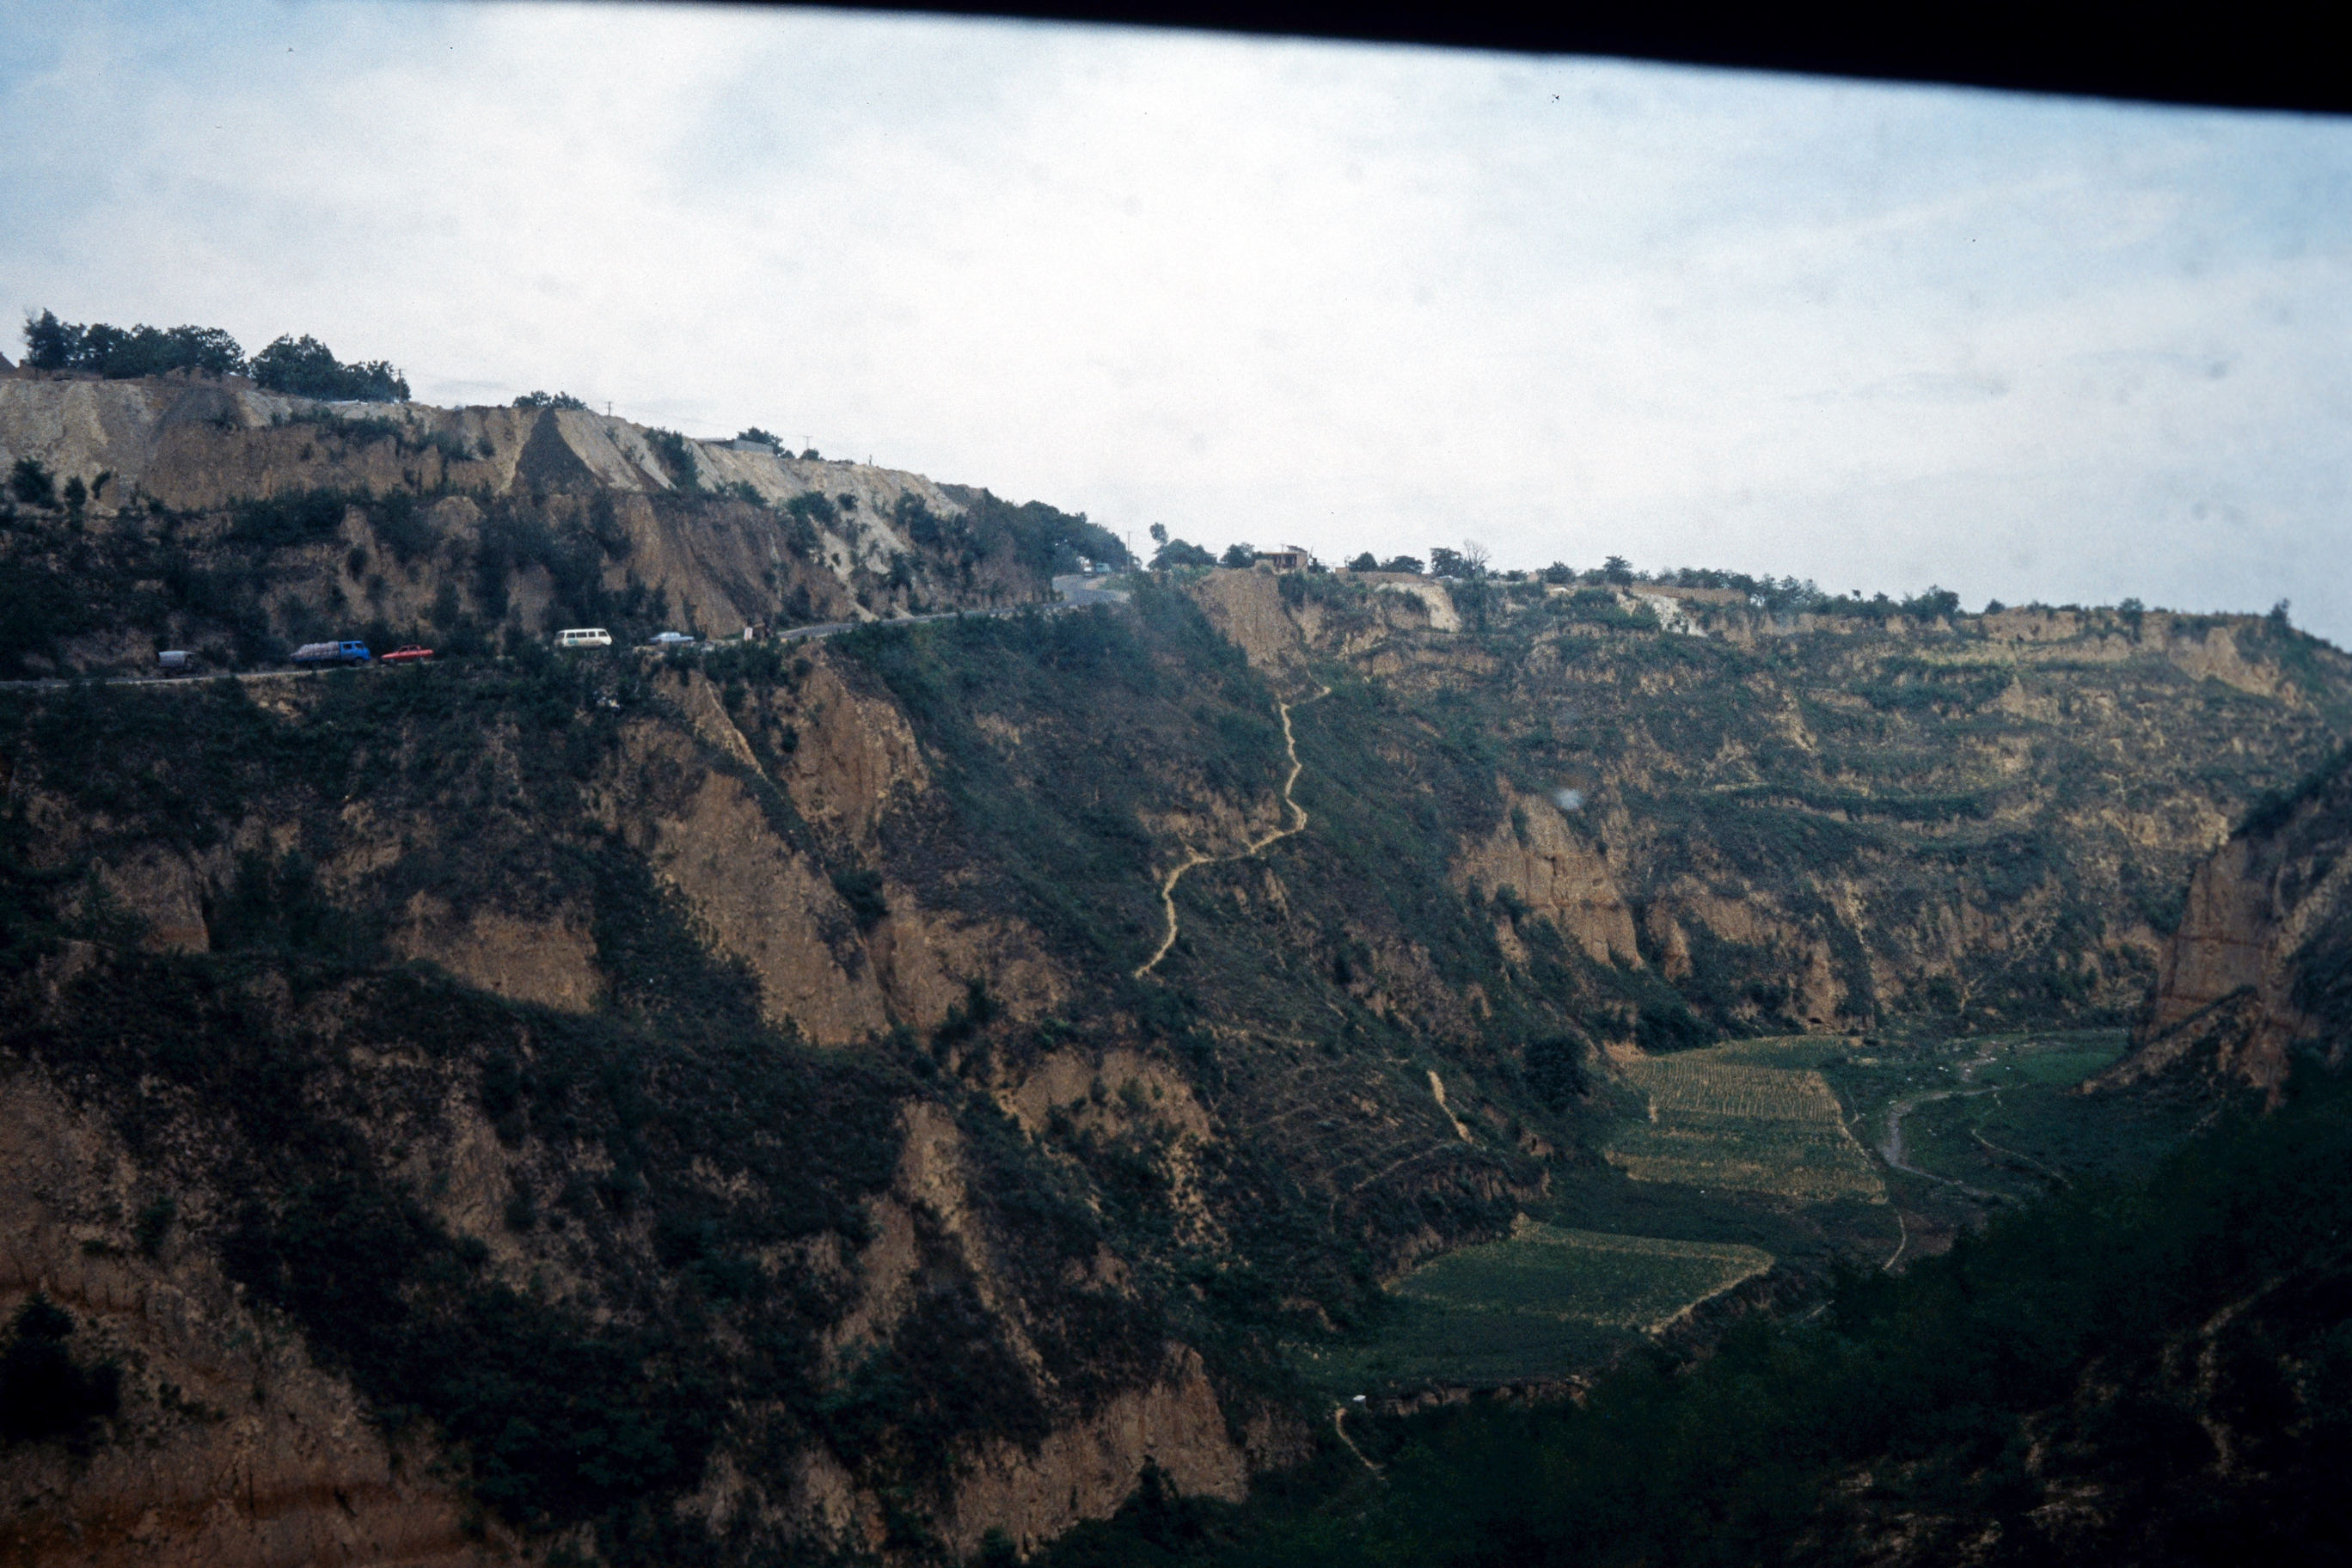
column 1469, row 564
column 302, row 366
column 1775, row 595
column 808, row 455
column 549, row 400
column 121, row 353
column 1181, row 552
column 1780, row 596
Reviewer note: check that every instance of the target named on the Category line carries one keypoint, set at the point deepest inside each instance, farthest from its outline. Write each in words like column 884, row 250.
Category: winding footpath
column 1194, row 858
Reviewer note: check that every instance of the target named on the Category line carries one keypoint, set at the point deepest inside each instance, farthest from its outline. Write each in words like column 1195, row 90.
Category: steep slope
column 1820, row 821
column 721, row 1104
column 775, row 1048
column 2261, row 964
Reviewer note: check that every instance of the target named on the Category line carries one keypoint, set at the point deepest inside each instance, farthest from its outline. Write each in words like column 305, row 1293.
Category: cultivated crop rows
column 1615, row 1282
column 1717, row 1123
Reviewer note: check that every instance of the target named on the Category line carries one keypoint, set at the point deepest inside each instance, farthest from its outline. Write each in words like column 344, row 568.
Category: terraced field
column 1748, row 1154
column 1718, row 1121
column 1611, row 1281
column 1544, row 1304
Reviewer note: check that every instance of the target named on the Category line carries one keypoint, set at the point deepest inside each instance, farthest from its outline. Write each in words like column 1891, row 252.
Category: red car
column 408, row 655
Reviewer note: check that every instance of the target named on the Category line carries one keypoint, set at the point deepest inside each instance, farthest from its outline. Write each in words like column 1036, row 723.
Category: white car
column 670, row 639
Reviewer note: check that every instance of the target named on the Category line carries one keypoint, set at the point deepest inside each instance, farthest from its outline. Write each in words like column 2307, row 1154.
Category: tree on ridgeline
column 119, row 353
column 1179, row 552
column 306, row 368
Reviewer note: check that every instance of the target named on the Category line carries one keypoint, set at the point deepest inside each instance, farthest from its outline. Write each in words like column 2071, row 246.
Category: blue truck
column 318, row 653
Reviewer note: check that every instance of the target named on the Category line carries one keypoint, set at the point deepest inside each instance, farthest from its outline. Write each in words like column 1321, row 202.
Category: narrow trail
column 1194, row 858
column 1339, row 1424
column 2055, row 1174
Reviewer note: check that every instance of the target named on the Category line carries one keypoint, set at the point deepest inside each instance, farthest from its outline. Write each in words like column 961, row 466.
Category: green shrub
column 282, row 522
column 30, row 482
column 154, row 1223
column 44, row 1392
column 401, row 524
column 677, row 456
column 861, row 889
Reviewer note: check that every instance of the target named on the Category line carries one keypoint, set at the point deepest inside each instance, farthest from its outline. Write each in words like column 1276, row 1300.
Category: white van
column 584, row 636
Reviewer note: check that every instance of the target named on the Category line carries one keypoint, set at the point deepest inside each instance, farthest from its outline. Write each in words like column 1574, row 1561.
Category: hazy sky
column 1349, row 297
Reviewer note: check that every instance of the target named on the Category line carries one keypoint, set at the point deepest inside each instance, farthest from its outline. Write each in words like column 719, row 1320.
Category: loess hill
column 717, row 1106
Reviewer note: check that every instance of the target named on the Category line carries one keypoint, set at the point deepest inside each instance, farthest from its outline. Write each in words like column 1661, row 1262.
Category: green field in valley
column 1543, row 1304
column 1613, row 1281
column 1718, row 1122
column 1746, row 1154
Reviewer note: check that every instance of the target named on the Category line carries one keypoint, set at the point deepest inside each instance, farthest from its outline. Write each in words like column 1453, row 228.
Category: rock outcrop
column 1537, row 858
column 2259, row 963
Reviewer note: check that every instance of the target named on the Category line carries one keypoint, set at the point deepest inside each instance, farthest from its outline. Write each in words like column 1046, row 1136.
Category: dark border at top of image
column 2238, row 58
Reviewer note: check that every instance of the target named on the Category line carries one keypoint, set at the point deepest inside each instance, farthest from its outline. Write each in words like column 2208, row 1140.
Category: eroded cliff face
column 454, row 527
column 2258, row 966
column 763, row 858
column 1808, row 822
column 760, row 1064
column 1558, row 875
column 231, row 1446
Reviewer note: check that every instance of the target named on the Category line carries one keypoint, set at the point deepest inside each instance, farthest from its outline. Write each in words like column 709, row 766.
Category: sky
column 1349, row 297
